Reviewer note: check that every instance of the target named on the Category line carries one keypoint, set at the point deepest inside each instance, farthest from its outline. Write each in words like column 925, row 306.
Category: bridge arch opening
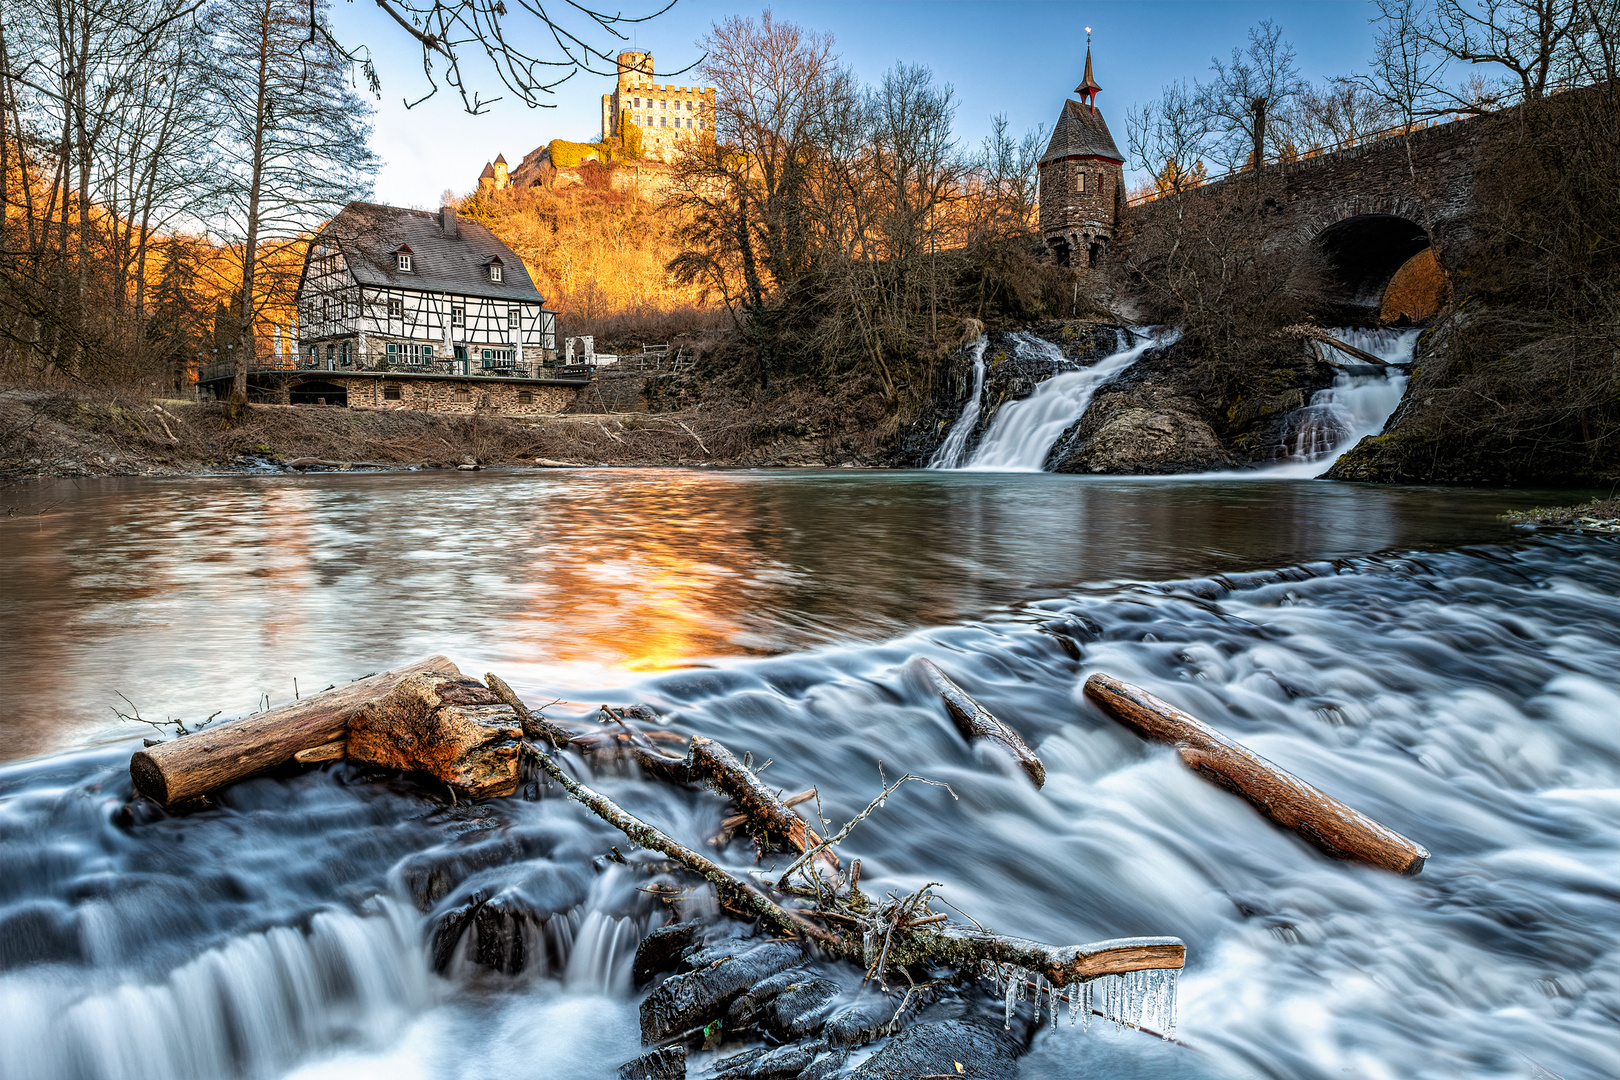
column 1364, row 254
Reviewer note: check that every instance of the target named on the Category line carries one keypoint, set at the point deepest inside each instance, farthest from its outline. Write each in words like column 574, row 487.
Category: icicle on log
column 974, row 721
column 195, row 764
column 1321, row 819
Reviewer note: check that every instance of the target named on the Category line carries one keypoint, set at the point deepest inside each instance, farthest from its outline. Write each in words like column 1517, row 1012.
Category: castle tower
column 502, row 177
column 486, row 179
column 1082, row 179
column 668, row 116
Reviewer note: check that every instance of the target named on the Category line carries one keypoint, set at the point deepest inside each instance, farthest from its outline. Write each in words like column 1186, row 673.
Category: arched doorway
column 1363, row 254
column 319, row 393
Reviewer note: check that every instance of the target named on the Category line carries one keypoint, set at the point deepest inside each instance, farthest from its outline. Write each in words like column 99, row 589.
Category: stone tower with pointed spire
column 1082, row 180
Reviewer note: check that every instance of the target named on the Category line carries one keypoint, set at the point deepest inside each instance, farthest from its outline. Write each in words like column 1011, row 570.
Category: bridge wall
column 1427, row 178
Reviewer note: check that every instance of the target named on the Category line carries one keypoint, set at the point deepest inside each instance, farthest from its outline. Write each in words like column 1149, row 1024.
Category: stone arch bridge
column 1370, row 208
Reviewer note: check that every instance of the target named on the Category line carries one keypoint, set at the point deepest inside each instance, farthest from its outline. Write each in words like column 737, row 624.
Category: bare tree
column 293, row 133
column 1248, row 99
column 1169, row 137
column 1338, row 112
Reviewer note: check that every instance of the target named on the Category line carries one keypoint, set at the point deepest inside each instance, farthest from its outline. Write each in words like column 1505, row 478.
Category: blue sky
column 1017, row 58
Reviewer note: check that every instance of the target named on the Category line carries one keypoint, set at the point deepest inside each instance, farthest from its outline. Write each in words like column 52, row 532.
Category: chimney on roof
column 447, row 221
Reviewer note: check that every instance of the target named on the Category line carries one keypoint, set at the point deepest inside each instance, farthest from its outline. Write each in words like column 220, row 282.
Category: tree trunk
column 245, row 343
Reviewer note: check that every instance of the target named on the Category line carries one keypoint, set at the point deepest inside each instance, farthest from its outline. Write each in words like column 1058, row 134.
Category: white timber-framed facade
column 386, row 289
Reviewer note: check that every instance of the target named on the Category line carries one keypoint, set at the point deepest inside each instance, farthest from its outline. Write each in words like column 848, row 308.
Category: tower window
column 1080, row 182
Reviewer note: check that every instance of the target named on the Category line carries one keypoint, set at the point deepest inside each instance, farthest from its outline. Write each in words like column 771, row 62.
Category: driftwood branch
column 534, row 725
column 974, row 721
column 710, row 763
column 1321, row 819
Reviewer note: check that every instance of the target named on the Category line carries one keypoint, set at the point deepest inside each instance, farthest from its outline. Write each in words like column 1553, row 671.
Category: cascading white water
column 949, row 454
column 1354, row 407
column 247, row 1007
column 1023, row 432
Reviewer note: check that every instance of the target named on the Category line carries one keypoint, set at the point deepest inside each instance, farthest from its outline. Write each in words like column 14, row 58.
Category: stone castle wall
column 446, row 395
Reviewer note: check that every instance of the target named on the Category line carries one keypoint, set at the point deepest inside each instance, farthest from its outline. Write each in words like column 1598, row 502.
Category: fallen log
column 974, row 721
column 710, row 763
column 1322, row 820
column 1313, row 333
column 206, row 760
column 448, row 726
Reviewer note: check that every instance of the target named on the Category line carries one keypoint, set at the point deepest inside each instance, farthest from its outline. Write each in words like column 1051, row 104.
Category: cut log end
column 148, row 777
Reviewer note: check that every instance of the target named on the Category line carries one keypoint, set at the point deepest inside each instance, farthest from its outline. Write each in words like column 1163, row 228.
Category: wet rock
column 39, row 932
column 1141, row 422
column 449, row 726
column 661, row 950
column 747, row 1009
column 430, row 876
column 782, row 1063
column 801, row 1007
column 935, row 1049
column 665, row 1063
column 857, row 1023
column 512, row 929
column 692, row 1000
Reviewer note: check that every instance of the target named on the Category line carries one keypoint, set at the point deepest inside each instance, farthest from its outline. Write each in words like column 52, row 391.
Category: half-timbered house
column 389, row 287
column 410, row 309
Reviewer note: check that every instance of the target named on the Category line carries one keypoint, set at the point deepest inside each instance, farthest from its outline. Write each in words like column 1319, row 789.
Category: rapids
column 1399, row 648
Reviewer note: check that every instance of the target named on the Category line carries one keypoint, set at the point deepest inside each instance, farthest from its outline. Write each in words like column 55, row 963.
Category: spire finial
column 1088, row 87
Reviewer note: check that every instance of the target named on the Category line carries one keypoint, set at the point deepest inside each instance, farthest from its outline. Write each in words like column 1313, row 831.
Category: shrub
column 567, row 155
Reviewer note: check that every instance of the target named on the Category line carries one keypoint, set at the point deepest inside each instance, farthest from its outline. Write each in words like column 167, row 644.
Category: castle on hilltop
column 667, row 115
column 1082, row 180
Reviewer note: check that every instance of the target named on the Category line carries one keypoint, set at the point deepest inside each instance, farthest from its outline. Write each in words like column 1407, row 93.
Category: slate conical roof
column 488, row 173
column 1080, row 132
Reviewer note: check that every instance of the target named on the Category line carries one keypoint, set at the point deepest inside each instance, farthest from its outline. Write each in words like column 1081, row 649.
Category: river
column 1399, row 647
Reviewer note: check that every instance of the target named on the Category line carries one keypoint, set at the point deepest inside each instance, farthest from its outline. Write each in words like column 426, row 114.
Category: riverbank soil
column 66, row 433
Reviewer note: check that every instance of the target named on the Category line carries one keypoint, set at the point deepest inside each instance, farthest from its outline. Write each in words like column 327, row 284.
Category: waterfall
column 1022, row 433
column 1355, row 406
column 949, row 454
column 250, row 1006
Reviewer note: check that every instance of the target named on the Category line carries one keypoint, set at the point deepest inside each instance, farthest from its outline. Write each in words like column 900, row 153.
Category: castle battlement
column 667, row 115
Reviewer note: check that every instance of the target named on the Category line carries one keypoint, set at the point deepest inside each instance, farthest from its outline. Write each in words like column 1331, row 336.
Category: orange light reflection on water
column 667, row 578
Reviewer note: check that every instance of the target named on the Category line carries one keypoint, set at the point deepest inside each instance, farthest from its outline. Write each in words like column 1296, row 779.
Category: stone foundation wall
column 458, row 395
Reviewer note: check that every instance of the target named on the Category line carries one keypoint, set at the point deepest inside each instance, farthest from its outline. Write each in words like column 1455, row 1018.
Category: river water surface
column 1398, row 647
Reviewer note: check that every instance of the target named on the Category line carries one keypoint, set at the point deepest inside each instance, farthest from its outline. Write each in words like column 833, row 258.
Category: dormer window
column 496, row 269
column 402, row 259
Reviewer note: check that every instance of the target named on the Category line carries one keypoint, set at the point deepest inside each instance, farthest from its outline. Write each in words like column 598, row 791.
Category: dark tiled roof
column 1080, row 132
column 369, row 234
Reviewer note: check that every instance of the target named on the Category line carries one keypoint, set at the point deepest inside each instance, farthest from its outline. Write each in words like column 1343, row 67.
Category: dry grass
column 1600, row 513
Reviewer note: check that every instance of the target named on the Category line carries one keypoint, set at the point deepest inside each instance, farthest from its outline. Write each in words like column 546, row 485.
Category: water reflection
column 195, row 595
